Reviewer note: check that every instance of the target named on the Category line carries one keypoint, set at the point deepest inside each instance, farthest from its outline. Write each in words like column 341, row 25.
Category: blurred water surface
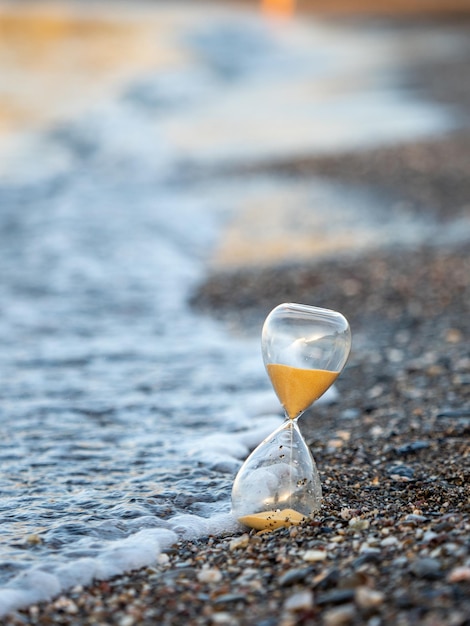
column 124, row 415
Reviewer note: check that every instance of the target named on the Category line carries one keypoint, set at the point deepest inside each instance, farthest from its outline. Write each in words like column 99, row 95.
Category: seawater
column 124, row 414
column 120, row 407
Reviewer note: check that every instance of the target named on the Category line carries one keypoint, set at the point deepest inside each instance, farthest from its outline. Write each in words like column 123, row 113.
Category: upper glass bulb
column 304, row 350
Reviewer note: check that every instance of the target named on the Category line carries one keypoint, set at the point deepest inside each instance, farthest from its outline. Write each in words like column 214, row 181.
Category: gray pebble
column 426, row 567
column 294, row 576
column 336, row 596
column 404, row 471
column 411, row 448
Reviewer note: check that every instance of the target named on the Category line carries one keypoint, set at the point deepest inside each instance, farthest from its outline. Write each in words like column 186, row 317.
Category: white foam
column 133, row 552
column 28, row 588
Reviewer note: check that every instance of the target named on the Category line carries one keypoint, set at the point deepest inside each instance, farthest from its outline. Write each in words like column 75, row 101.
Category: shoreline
column 390, row 545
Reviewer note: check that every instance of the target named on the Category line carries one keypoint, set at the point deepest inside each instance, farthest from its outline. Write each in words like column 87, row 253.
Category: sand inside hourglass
column 298, row 388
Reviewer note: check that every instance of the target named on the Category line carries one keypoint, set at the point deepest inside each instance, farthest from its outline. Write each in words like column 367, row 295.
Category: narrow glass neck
column 293, row 419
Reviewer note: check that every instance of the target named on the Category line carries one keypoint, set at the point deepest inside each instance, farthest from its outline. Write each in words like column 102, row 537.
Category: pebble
column 346, row 513
column 294, row 576
column 312, row 556
column 350, row 414
column 209, row 575
column 389, row 541
column 224, row 618
column 400, row 471
column 230, row 597
column 453, row 413
column 368, row 549
column 357, row 523
column 410, row 448
column 367, row 598
column 300, row 601
column 370, row 555
column 339, row 616
column 163, row 559
column 239, row 542
column 336, row 596
column 426, row 567
column 459, row 574
column 66, row 605
column 429, row 535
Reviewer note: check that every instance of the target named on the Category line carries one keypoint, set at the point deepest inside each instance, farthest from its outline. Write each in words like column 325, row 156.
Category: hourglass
column 304, row 350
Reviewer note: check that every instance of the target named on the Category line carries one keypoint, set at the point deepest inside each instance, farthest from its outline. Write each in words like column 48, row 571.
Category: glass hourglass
column 304, row 350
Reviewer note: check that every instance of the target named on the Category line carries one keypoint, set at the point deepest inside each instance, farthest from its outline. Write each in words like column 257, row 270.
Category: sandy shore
column 391, row 545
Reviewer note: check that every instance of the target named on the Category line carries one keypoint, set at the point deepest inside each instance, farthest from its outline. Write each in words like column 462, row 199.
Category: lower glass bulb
column 278, row 485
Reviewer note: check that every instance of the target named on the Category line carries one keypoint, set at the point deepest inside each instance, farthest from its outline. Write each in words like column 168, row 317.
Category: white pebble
column 357, row 523
column 224, row 618
column 313, row 556
column 368, row 598
column 66, row 605
column 389, row 541
column 459, row 574
column 340, row 616
column 366, row 547
column 346, row 513
column 209, row 575
column 301, row 601
column 239, row 542
column 163, row 559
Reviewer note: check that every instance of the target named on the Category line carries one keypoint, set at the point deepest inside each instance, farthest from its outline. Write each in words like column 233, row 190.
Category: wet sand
column 391, row 545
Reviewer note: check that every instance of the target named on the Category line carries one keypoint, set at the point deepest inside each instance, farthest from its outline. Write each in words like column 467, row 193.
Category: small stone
column 346, row 513
column 426, row 567
column 412, row 517
column 224, row 618
column 300, row 601
column 389, row 541
column 66, row 605
column 453, row 413
column 312, row 556
column 326, row 579
column 368, row 549
column 294, row 576
column 339, row 616
column 459, row 574
column 209, row 575
column 367, row 598
column 429, row 535
column 367, row 556
column 163, row 559
column 411, row 448
column 336, row 596
column 356, row 523
column 228, row 598
column 239, row 542
column 454, row 335
column 353, row 580
column 400, row 472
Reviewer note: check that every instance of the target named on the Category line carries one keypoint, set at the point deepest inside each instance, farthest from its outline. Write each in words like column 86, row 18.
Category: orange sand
column 269, row 520
column 298, row 388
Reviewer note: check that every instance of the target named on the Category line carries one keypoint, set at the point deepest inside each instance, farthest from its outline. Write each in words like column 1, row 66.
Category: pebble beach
column 391, row 545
